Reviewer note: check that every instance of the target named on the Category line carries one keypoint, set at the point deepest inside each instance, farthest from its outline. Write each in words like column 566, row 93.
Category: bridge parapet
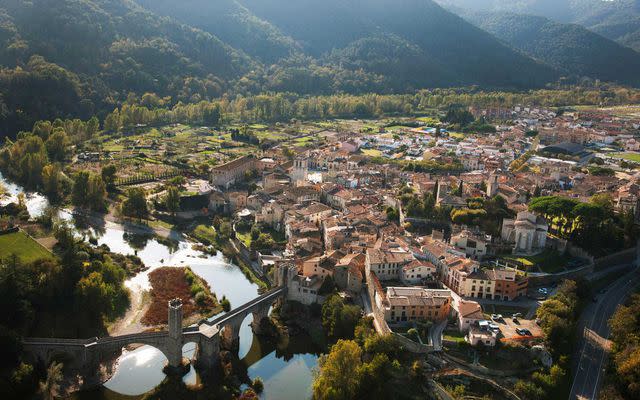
column 89, row 353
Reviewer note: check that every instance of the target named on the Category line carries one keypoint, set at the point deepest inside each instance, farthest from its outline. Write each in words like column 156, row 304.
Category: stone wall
column 622, row 257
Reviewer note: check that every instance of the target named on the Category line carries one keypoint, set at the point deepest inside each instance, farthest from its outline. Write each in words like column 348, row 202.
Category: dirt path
column 130, row 322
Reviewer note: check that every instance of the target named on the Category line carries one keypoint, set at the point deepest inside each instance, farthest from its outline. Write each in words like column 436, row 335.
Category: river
column 285, row 376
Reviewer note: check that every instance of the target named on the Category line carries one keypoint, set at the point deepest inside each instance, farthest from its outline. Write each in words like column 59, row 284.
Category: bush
column 225, row 303
column 201, row 299
column 195, row 289
column 258, row 385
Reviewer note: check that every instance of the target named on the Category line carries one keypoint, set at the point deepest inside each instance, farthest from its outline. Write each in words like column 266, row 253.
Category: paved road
column 592, row 353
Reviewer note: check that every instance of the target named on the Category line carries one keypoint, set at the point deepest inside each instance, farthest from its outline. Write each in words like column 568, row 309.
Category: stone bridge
column 87, row 355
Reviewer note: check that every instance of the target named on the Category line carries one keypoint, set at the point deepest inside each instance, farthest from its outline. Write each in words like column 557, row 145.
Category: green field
column 453, row 336
column 23, row 246
column 635, row 157
column 548, row 261
column 372, row 152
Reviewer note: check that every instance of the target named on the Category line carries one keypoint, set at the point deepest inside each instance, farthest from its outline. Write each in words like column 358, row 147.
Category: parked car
column 521, row 332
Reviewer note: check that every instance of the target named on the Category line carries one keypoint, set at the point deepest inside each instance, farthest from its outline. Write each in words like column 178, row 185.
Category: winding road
column 592, row 354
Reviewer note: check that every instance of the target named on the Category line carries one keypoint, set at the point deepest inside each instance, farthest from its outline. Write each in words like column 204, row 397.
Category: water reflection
column 138, row 371
column 35, row 202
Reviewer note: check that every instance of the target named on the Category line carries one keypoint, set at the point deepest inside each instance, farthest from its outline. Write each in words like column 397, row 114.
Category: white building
column 528, row 232
column 417, row 272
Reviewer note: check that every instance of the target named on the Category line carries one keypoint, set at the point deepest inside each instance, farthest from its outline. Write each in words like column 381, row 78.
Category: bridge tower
column 175, row 318
column 174, row 342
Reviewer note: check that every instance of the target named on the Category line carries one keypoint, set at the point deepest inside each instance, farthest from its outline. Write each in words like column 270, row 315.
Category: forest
column 78, row 59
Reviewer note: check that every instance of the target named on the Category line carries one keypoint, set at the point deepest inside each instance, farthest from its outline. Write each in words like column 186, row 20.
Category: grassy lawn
column 549, row 261
column 258, row 126
column 372, row 152
column 453, row 336
column 205, row 233
column 244, row 237
column 635, row 157
column 299, row 142
column 23, row 246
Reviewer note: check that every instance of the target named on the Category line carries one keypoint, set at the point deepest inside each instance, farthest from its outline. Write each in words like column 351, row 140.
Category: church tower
column 492, row 186
column 300, row 170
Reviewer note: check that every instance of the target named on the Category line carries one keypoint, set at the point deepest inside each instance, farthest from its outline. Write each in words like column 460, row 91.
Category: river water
column 286, row 375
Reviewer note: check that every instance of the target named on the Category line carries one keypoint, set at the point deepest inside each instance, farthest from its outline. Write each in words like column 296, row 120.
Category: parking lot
column 508, row 328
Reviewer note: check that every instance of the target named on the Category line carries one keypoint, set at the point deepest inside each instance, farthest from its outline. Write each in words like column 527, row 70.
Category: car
column 527, row 332
column 521, row 332
column 515, row 320
column 517, row 315
column 494, row 316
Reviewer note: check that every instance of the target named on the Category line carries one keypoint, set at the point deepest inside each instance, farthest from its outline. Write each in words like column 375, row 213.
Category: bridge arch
column 190, row 349
column 127, row 378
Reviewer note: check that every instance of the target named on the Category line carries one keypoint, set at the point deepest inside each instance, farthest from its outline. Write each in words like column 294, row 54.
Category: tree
column 624, row 324
column 375, row 375
column 135, row 205
column 94, row 293
column 225, row 231
column 58, row 145
column 172, row 200
column 112, row 121
column 458, row 115
column 93, row 126
column 211, row 115
column 108, row 174
column 338, row 318
column 338, row 378
column 393, row 215
column 51, row 184
column 97, row 193
column 89, row 190
column 50, row 387
column 80, row 188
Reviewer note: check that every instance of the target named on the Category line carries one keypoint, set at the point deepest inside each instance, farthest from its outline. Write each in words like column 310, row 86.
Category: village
column 375, row 202
column 449, row 231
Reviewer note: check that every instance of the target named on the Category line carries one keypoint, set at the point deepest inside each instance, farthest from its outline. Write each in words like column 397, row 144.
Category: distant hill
column 64, row 58
column 570, row 48
column 453, row 48
column 77, row 58
column 618, row 20
column 232, row 23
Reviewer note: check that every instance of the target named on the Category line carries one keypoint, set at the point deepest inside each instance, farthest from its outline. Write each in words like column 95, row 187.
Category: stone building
column 227, row 174
column 404, row 304
column 528, row 233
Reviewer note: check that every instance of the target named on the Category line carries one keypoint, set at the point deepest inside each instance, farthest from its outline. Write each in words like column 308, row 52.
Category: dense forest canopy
column 570, row 48
column 618, row 20
column 80, row 58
